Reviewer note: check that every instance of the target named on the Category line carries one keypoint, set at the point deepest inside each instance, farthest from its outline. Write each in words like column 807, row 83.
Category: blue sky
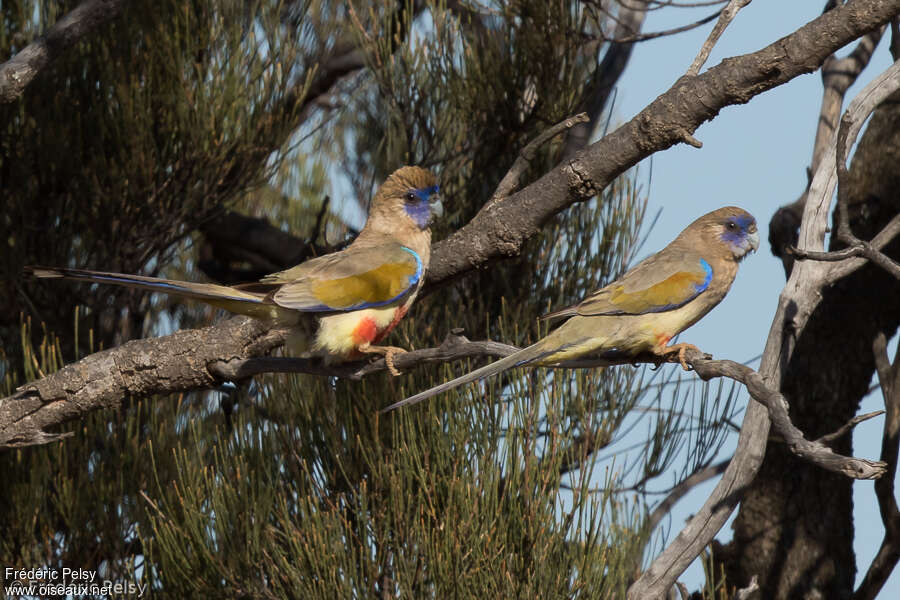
column 753, row 156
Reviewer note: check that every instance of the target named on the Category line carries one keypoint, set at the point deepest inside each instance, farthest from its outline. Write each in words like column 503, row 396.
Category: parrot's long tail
column 521, row 358
column 219, row 295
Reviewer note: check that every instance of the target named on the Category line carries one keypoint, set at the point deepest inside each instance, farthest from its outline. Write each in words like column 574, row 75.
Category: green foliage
column 295, row 486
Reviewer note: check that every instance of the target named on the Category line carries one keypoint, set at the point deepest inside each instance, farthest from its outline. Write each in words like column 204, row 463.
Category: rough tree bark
column 795, row 525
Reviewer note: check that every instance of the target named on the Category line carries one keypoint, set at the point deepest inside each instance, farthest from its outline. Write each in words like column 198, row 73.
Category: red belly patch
column 365, row 331
column 662, row 340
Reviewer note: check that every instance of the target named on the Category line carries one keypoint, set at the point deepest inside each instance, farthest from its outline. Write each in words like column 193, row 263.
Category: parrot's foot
column 676, row 348
column 387, row 351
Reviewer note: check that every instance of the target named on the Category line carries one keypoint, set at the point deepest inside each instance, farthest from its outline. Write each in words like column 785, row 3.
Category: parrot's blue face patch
column 422, row 205
column 740, row 234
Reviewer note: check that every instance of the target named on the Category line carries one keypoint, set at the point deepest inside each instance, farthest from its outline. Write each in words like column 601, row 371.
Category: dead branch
column 889, row 552
column 140, row 368
column 21, row 69
column 457, row 346
column 725, row 18
column 510, row 181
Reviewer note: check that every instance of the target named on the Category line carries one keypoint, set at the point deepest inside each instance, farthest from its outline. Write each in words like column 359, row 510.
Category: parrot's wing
column 352, row 279
column 657, row 284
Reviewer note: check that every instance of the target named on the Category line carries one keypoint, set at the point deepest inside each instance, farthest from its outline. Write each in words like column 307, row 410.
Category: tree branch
column 889, row 553
column 140, row 368
column 510, row 181
column 457, row 346
column 21, row 69
column 725, row 18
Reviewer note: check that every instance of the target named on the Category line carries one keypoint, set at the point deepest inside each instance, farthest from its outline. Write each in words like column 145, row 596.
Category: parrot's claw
column 680, row 349
column 388, row 352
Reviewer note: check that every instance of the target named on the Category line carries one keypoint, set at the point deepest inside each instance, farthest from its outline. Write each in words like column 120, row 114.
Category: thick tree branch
column 21, row 69
column 140, row 368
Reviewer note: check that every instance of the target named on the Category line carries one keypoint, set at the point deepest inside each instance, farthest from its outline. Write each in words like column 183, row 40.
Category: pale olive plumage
column 645, row 308
column 359, row 293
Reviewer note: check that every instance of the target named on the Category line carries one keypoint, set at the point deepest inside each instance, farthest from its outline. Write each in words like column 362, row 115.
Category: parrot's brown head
column 729, row 231
column 409, row 198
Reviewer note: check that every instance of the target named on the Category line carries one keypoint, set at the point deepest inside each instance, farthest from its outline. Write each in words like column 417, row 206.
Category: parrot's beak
column 754, row 240
column 437, row 209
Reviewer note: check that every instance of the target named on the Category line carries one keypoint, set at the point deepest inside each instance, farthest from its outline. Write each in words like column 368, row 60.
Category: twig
column 725, row 17
column 21, row 69
column 888, row 554
column 510, row 181
column 847, row 427
column 678, row 492
column 643, row 37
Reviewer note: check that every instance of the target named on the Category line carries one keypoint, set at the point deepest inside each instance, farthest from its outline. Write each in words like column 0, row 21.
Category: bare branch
column 860, row 249
column 725, row 17
column 140, row 368
column 457, row 346
column 848, row 426
column 679, row 491
column 811, row 451
column 21, row 69
column 889, row 553
column 510, row 181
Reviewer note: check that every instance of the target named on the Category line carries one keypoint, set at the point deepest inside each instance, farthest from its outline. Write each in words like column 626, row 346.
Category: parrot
column 358, row 294
column 645, row 308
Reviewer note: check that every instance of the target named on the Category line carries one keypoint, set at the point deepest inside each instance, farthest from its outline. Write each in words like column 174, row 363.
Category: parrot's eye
column 732, row 225
column 410, row 196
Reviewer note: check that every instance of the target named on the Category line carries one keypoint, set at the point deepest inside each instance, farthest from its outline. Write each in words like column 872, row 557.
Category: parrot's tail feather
column 200, row 291
column 522, row 357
